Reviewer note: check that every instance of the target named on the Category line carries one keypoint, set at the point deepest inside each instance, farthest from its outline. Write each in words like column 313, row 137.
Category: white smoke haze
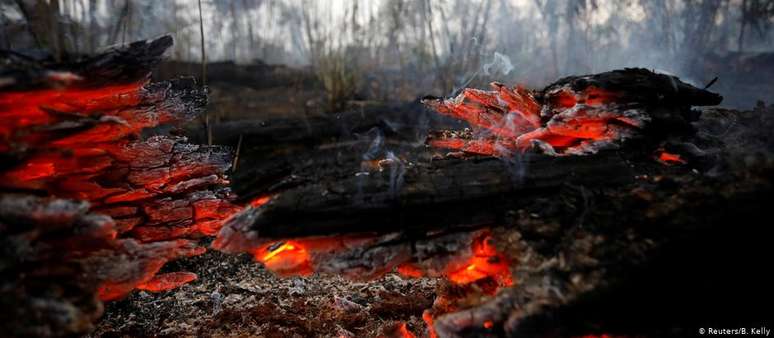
column 500, row 65
column 440, row 45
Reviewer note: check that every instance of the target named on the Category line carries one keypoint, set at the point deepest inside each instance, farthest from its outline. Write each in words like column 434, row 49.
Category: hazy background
column 402, row 49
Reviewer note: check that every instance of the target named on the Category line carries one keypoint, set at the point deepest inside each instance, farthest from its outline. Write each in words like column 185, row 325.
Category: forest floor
column 235, row 296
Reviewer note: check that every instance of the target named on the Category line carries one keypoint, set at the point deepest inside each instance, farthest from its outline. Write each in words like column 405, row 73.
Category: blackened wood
column 121, row 64
column 421, row 197
column 63, row 257
column 403, row 120
column 643, row 87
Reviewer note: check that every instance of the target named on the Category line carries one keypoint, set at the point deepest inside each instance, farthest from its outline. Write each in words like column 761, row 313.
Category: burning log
column 418, row 194
column 634, row 249
column 90, row 209
column 575, row 115
column 568, row 227
column 441, row 194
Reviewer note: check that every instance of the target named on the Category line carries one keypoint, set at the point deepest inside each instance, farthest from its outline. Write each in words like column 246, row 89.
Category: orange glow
column 25, row 109
column 514, row 121
column 259, row 201
column 404, row 332
column 485, row 262
column 595, row 96
column 285, row 258
column 427, row 316
column 295, row 257
column 147, row 270
column 482, row 147
column 32, row 171
column 114, row 290
column 167, row 281
column 669, row 158
column 586, row 128
column 282, row 248
column 409, row 270
column 488, row 324
column 80, row 143
column 564, row 99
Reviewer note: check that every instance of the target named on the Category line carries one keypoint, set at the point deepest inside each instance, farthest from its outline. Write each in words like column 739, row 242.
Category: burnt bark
column 327, row 198
column 89, row 208
column 325, row 181
column 643, row 87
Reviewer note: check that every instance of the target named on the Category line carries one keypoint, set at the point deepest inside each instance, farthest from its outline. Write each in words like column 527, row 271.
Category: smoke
column 373, row 152
column 375, row 147
column 500, row 65
column 454, row 43
column 397, row 170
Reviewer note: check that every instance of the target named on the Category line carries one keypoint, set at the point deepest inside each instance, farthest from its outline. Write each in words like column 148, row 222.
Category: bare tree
column 756, row 14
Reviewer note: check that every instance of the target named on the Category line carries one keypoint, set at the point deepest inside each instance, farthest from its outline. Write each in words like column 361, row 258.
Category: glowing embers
column 167, row 281
column 285, row 258
column 259, row 201
column 304, row 256
column 485, row 262
column 472, row 258
column 80, row 141
column 21, row 109
column 159, row 189
column 396, row 330
column 667, row 158
column 511, row 119
column 136, row 265
column 427, row 317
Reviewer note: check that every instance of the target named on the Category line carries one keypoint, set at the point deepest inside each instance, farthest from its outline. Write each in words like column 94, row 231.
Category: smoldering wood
column 445, row 193
column 638, row 267
column 103, row 209
column 667, row 99
column 641, row 86
column 328, row 187
column 640, row 257
column 114, row 66
column 579, row 229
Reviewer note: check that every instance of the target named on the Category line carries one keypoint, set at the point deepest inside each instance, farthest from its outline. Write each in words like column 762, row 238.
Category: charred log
column 323, row 191
column 90, row 209
column 639, row 86
column 640, row 261
column 418, row 197
column 574, row 229
column 575, row 116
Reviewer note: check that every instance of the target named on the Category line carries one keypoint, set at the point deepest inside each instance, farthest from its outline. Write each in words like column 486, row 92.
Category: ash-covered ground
column 235, row 296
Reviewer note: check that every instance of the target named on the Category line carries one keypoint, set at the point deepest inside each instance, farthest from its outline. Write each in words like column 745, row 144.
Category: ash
column 234, row 296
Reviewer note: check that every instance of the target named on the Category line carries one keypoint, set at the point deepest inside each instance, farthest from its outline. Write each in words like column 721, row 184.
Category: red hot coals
column 511, row 119
column 462, row 258
column 574, row 116
column 116, row 205
column 82, row 144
